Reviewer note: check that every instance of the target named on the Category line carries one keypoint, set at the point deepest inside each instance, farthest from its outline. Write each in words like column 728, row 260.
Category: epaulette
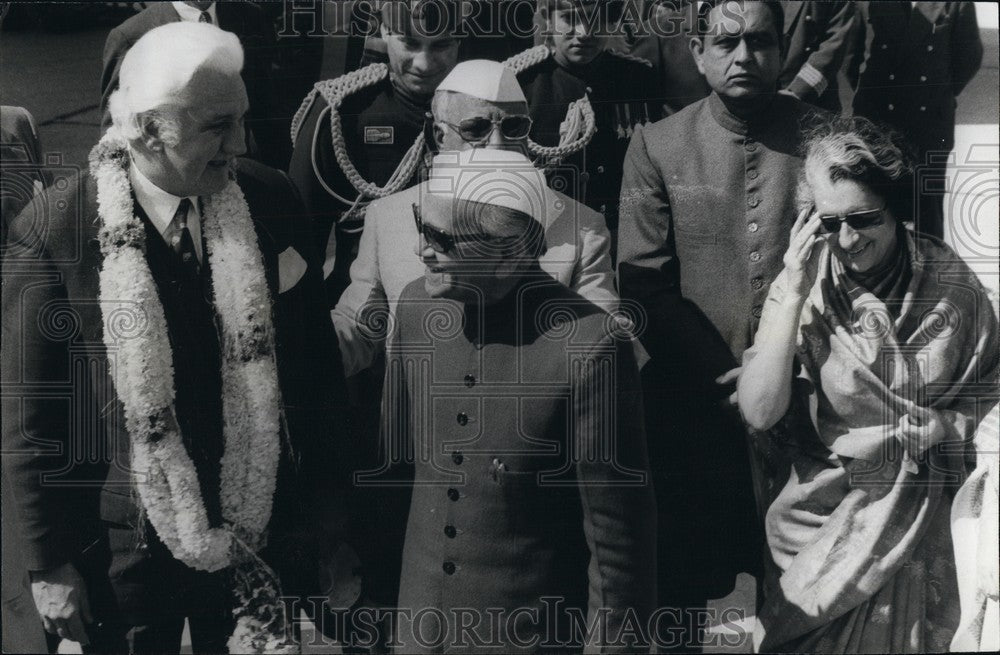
column 628, row 56
column 522, row 61
column 331, row 90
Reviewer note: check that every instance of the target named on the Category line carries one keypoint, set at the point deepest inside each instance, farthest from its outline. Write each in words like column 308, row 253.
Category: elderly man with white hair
column 167, row 363
column 532, row 520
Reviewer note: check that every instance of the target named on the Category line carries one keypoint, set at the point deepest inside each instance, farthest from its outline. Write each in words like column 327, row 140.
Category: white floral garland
column 144, row 377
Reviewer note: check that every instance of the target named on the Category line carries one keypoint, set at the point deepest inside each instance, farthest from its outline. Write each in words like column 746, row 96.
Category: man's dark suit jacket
column 246, row 21
column 64, row 437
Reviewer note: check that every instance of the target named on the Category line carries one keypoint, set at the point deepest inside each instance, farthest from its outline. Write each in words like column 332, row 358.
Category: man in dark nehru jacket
column 381, row 119
column 623, row 91
column 532, row 512
column 707, row 205
column 920, row 56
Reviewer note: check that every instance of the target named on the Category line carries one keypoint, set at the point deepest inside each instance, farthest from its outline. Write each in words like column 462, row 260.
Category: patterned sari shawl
column 859, row 537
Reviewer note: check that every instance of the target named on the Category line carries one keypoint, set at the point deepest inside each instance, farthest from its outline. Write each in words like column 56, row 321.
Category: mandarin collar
column 734, row 123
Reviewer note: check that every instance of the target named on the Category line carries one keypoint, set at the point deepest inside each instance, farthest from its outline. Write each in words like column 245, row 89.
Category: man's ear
column 150, row 132
column 697, row 47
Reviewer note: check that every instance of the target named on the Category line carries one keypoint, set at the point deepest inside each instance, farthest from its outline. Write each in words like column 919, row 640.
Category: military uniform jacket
column 817, row 36
column 918, row 60
column 379, row 125
column 623, row 91
column 577, row 255
column 64, row 436
column 531, row 468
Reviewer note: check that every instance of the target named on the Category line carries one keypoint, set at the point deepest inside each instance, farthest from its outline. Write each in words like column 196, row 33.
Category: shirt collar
column 161, row 206
column 193, row 15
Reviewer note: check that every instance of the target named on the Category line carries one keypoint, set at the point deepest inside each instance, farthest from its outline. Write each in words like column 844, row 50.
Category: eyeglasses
column 479, row 128
column 444, row 242
column 862, row 220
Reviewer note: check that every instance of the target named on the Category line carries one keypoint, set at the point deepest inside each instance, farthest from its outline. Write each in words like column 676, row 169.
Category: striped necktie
column 205, row 18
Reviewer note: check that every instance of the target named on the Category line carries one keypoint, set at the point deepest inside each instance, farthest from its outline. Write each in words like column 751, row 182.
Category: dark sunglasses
column 857, row 220
column 444, row 242
column 479, row 128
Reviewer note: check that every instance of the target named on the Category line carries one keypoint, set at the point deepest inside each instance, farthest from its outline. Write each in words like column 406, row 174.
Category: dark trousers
column 140, row 596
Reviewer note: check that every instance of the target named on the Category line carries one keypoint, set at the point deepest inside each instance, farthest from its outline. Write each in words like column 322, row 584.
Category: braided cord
column 576, row 130
column 334, row 92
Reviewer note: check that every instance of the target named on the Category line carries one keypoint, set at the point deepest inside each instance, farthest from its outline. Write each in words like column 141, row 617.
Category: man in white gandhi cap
column 519, row 400
column 478, row 106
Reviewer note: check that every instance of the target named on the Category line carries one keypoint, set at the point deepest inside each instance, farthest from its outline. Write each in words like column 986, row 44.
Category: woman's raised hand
column 800, row 250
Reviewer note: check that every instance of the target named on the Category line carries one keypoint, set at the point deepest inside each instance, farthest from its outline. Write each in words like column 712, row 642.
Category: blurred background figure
column 661, row 38
column 817, row 37
column 20, row 180
column 269, row 142
column 918, row 58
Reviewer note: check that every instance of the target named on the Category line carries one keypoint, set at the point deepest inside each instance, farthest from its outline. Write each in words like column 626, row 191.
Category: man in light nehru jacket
column 479, row 105
column 532, row 507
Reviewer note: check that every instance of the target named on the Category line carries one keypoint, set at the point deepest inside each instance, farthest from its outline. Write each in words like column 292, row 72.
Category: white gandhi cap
column 484, row 79
column 494, row 177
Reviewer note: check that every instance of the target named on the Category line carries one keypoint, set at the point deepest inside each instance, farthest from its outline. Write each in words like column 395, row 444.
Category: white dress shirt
column 160, row 206
column 193, row 14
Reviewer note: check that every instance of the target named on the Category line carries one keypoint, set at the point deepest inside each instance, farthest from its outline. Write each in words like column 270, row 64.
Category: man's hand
column 61, row 598
column 728, row 379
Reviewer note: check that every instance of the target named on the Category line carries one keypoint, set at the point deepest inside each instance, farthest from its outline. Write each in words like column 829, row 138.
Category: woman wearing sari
column 876, row 352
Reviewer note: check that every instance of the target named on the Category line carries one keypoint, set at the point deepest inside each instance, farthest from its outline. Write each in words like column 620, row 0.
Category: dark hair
column 777, row 16
column 858, row 149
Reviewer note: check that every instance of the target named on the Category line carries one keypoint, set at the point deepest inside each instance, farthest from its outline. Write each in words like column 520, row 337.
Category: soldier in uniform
column 659, row 33
column 622, row 89
column 920, row 56
column 379, row 114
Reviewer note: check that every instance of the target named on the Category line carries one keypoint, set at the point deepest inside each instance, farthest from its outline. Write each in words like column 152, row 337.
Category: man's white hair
column 157, row 69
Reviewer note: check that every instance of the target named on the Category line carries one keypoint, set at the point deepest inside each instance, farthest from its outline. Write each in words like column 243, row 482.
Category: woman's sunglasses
column 862, row 220
column 479, row 128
